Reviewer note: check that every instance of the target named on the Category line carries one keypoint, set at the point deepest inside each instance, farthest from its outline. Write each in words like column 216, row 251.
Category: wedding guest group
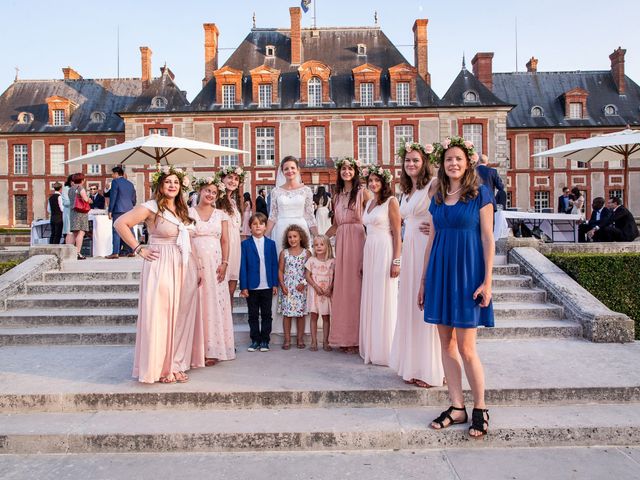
column 619, row 227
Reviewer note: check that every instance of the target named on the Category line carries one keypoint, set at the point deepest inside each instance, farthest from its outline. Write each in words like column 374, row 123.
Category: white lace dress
column 289, row 207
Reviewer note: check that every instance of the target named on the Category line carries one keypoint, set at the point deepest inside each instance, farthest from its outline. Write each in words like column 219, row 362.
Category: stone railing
column 13, row 282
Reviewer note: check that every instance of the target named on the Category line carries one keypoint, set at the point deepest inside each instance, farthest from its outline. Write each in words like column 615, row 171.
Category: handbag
column 79, row 205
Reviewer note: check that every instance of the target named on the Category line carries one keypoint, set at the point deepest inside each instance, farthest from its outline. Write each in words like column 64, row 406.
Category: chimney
column 210, row 51
column 70, row 74
column 483, row 68
column 296, row 36
column 532, row 65
column 421, row 54
column 617, row 69
column 167, row 71
column 146, row 65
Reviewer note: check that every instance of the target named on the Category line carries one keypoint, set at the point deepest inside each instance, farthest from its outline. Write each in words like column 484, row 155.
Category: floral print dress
column 294, row 304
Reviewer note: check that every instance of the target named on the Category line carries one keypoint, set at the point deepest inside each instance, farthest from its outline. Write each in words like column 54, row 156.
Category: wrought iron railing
column 318, row 162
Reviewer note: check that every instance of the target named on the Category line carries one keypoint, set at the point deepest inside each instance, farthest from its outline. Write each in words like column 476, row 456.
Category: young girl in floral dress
column 293, row 286
column 320, row 278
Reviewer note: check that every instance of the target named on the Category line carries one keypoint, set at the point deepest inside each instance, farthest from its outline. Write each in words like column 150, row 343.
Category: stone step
column 74, row 300
column 315, row 429
column 519, row 295
column 515, row 310
column 63, row 276
column 67, row 316
column 114, row 287
column 508, row 269
column 511, row 281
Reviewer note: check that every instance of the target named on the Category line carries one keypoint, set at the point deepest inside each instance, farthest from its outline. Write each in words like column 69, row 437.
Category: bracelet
column 225, row 262
column 396, row 262
column 138, row 249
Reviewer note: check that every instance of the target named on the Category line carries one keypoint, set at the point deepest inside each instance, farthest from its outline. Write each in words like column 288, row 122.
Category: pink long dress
column 214, row 324
column 235, row 224
column 347, row 282
column 160, row 290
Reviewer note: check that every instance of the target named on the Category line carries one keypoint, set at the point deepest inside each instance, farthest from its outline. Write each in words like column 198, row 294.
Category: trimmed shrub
column 613, row 278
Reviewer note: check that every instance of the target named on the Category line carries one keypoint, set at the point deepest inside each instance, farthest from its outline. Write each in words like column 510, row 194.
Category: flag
column 305, row 5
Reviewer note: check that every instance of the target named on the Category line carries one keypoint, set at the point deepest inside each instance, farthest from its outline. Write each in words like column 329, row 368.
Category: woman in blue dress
column 456, row 278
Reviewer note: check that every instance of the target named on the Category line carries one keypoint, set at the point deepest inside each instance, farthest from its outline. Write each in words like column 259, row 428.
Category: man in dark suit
column 621, row 226
column 122, row 198
column 261, row 202
column 489, row 177
column 563, row 201
column 599, row 216
column 54, row 207
column 96, row 197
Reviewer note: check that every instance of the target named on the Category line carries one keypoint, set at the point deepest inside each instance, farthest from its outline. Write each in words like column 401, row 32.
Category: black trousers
column 259, row 304
column 583, row 228
column 56, row 233
column 609, row 234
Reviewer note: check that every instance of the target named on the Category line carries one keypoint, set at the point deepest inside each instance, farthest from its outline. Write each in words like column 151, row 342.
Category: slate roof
column 464, row 82
column 546, row 89
column 165, row 87
column 91, row 95
column 335, row 47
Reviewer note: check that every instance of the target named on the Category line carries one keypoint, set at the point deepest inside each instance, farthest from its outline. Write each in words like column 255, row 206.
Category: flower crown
column 167, row 170
column 379, row 171
column 199, row 183
column 436, row 151
column 224, row 171
column 410, row 146
column 355, row 164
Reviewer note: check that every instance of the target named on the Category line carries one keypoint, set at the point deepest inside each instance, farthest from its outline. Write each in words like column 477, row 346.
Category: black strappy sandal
column 446, row 415
column 478, row 422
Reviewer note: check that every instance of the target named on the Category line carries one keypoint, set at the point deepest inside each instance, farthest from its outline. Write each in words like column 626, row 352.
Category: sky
column 42, row 36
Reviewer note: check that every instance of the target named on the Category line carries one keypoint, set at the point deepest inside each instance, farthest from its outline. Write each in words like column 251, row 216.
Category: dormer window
column 537, row 111
column 470, row 96
column 575, row 110
column 25, row 118
column 98, row 117
column 159, row 102
column 610, row 110
column 314, row 92
column 58, row 118
column 362, row 49
column 270, row 51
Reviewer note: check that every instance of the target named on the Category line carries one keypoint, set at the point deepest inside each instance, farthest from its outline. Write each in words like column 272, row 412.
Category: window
column 98, row 117
column 20, row 209
column 610, row 110
column 509, row 201
column 314, row 92
column 473, row 132
column 315, row 143
column 615, row 163
column 25, row 118
column 264, row 95
column 540, row 201
column 56, row 157
column 159, row 131
column 228, row 96
column 20, row 160
column 470, row 96
column 270, row 51
column 368, row 144
column 366, row 94
column 362, row 49
column 617, row 193
column 265, row 146
column 229, row 138
column 159, row 102
column 94, row 169
column 402, row 93
column 575, row 110
column 537, row 111
column 401, row 134
column 58, row 117
column 540, row 145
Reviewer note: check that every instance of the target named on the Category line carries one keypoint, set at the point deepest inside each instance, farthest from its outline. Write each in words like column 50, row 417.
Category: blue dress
column 456, row 265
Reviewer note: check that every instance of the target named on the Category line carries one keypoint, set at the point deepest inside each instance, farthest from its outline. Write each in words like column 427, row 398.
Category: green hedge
column 613, row 278
column 8, row 265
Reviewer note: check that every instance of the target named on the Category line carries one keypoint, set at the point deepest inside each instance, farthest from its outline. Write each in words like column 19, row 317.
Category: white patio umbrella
column 610, row 146
column 157, row 150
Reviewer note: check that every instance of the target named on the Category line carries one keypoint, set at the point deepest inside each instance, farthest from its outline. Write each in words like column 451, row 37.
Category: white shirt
column 263, row 266
column 59, row 203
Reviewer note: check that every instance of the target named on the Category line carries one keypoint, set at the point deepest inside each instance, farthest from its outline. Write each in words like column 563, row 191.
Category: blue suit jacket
column 250, row 264
column 490, row 177
column 122, row 196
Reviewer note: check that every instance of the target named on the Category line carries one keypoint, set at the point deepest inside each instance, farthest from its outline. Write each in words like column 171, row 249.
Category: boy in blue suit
column 259, row 281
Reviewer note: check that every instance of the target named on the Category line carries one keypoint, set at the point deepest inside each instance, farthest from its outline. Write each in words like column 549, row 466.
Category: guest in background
column 322, row 202
column 563, row 201
column 261, row 203
column 55, row 209
column 79, row 221
column 576, row 201
column 96, row 198
column 490, row 177
column 621, row 226
column 122, row 199
column 247, row 211
column 599, row 216
column 66, row 213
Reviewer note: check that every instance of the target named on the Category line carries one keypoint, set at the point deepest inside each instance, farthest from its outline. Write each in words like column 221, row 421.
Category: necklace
column 454, row 192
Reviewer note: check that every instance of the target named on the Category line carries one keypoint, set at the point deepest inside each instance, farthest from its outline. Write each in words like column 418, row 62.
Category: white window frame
column 540, row 145
column 58, row 117
column 470, row 96
column 20, row 159
column 541, row 200
column 315, row 141
column 265, row 146
column 473, row 132
column 509, row 199
column 537, row 111
column 314, row 92
column 368, row 144
column 575, row 110
column 57, row 156
column 228, row 95
column 401, row 134
column 403, row 94
column 616, row 192
column 164, row 132
column 229, row 137
column 265, row 91
column 92, row 168
column 366, row 94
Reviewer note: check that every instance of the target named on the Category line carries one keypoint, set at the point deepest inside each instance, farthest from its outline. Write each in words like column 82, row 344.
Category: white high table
column 560, row 227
